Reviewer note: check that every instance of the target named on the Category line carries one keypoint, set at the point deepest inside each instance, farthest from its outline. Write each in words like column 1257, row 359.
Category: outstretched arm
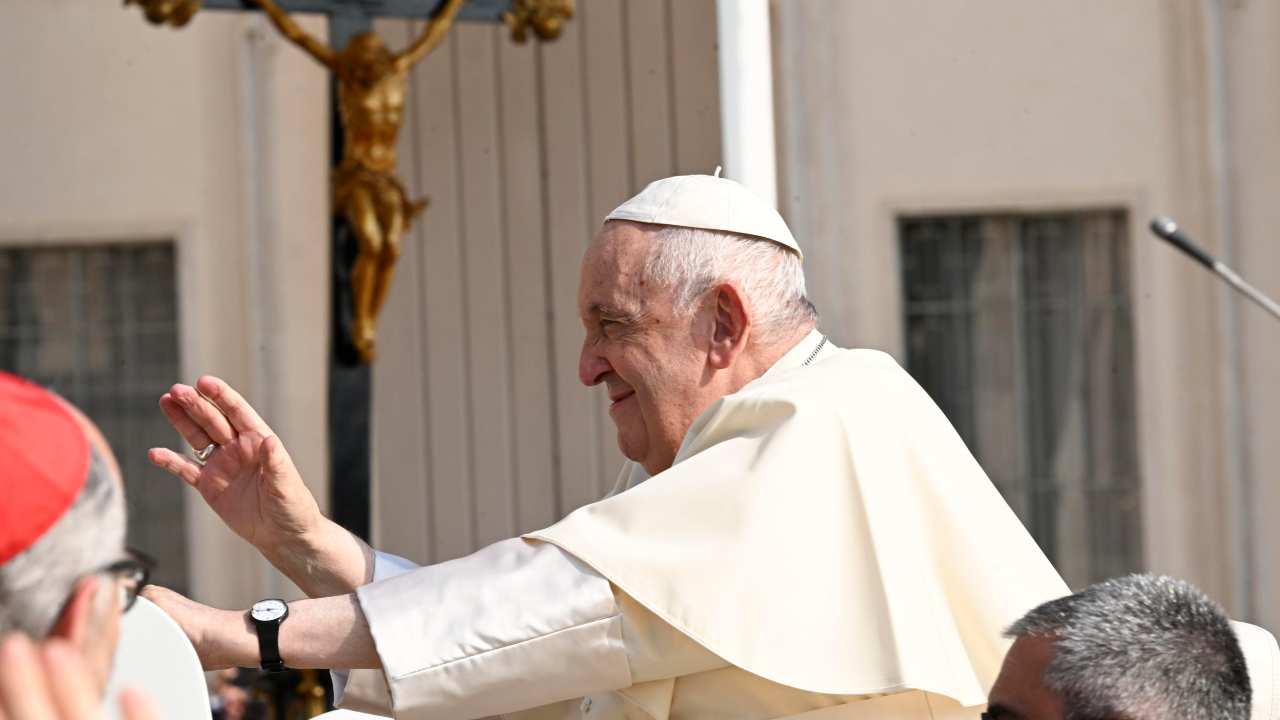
column 435, row 32
column 296, row 34
column 517, row 625
column 317, row 634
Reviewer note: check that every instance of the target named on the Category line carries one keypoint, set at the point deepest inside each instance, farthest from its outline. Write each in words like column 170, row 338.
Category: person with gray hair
column 1141, row 647
column 65, row 574
column 35, row 584
column 690, row 261
column 797, row 526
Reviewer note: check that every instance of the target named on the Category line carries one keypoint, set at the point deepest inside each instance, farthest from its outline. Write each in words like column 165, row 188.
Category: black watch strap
column 269, row 646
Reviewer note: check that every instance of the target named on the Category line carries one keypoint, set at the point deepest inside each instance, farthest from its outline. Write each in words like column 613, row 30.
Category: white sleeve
column 385, row 566
column 516, row 625
column 655, row 649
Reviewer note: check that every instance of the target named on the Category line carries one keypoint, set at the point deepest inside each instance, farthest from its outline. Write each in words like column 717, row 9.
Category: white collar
column 802, row 353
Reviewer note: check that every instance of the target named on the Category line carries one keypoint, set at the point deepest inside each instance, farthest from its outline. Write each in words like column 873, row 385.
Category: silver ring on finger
column 202, row 455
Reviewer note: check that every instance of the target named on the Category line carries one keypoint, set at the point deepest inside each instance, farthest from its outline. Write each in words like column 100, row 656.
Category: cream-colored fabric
column 677, row 679
column 902, row 706
column 516, row 625
column 823, row 548
column 369, row 692
column 671, row 677
column 826, row 529
column 708, row 203
column 1262, row 655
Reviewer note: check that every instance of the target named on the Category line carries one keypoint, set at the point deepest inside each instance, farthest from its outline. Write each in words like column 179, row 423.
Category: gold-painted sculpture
column 545, row 17
column 173, row 12
column 372, row 86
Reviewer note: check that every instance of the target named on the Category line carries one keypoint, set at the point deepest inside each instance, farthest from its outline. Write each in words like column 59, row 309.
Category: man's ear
column 90, row 621
column 731, row 326
column 76, row 618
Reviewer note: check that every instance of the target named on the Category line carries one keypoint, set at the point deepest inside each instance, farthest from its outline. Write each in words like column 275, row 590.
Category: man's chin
column 630, row 450
column 644, row 458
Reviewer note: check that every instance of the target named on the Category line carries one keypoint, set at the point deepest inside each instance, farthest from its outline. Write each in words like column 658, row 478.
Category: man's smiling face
column 643, row 351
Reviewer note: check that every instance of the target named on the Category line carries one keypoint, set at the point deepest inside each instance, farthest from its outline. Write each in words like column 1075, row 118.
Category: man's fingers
column 191, row 433
column 24, row 693
column 204, row 414
column 69, row 681
column 184, row 468
column 135, row 705
column 242, row 416
column 276, row 459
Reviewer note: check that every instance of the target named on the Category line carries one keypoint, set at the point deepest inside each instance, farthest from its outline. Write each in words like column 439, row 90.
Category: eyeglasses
column 133, row 572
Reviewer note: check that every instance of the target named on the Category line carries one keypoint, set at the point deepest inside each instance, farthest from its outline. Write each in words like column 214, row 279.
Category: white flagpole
column 746, row 95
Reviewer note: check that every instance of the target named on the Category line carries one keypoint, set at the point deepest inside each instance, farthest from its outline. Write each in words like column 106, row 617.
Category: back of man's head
column 62, row 520
column 1141, row 647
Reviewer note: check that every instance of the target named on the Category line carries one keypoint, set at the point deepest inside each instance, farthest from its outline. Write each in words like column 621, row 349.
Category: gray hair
column 1142, row 647
column 691, row 261
column 35, row 584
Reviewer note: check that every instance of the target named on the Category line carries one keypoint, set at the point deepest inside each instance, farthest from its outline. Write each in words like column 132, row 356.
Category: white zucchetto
column 707, row 203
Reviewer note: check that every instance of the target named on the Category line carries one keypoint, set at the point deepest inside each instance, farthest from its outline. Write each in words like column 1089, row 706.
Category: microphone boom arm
column 1166, row 229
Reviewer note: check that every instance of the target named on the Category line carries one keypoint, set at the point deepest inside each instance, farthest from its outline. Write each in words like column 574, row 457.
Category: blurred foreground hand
column 50, row 681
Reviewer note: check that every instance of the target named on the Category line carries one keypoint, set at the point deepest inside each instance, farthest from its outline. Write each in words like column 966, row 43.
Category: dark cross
column 350, row 381
column 348, row 18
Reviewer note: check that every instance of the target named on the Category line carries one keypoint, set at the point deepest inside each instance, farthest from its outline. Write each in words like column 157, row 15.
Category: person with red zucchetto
column 65, row 575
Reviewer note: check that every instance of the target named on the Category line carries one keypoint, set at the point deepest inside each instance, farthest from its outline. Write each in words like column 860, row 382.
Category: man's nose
column 591, row 366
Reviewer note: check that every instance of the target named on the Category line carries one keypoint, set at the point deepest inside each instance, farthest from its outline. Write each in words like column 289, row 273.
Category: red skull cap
column 44, row 463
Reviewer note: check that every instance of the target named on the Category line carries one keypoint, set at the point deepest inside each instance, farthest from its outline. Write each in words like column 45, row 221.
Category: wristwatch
column 267, row 616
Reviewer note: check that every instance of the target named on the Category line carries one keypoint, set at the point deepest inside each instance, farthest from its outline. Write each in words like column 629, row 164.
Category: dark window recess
column 99, row 325
column 1020, row 328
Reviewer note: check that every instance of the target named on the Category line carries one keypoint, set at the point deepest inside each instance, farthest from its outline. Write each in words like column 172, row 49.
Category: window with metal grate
column 98, row 324
column 1019, row 326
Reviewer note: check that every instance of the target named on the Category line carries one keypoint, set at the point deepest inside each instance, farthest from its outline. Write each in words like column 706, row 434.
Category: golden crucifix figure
column 544, row 17
column 173, row 12
column 372, row 86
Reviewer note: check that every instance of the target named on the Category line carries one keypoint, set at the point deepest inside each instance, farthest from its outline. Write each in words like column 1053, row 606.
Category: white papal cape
column 824, row 546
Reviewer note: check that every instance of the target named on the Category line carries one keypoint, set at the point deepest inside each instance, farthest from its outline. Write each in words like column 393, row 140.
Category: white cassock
column 824, row 546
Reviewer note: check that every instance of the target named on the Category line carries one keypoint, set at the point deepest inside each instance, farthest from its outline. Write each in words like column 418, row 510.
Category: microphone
column 1166, row 229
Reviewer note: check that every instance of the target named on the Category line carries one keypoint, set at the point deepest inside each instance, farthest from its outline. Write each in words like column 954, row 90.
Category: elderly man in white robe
column 798, row 533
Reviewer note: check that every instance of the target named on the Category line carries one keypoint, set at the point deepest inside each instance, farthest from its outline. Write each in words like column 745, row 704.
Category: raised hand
column 249, row 479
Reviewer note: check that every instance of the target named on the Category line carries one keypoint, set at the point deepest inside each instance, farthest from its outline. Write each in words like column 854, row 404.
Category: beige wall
column 111, row 129
column 893, row 107
column 1251, row 55
column 216, row 136
column 482, row 429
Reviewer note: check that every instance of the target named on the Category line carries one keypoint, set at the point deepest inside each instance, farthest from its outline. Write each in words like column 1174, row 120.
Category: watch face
column 268, row 610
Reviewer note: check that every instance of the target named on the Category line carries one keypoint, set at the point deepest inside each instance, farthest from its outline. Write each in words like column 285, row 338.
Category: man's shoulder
column 844, row 387
column 839, row 392
column 830, row 377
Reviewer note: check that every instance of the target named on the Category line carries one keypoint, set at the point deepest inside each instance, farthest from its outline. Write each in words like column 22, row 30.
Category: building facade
column 971, row 183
